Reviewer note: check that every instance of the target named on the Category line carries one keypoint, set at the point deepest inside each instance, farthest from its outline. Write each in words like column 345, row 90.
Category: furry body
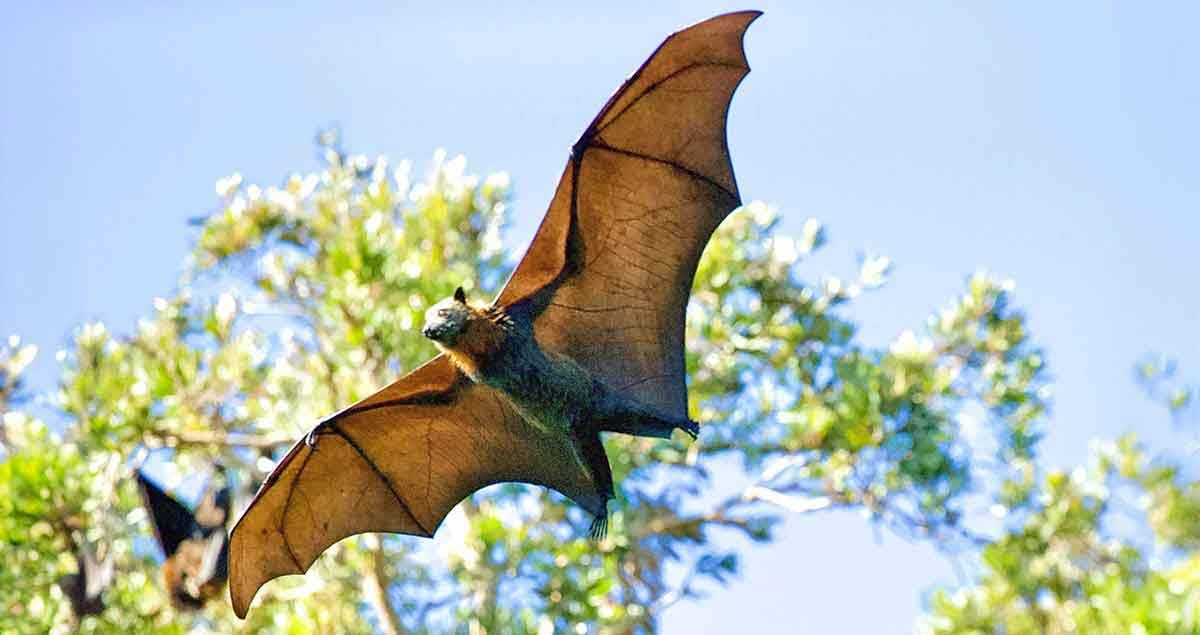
column 550, row 391
column 196, row 572
column 194, row 543
column 586, row 336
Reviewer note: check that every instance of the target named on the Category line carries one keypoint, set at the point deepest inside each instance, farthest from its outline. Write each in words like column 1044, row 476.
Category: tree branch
column 216, row 437
column 377, row 586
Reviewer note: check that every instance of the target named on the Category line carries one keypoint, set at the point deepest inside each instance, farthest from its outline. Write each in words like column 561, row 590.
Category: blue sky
column 1054, row 144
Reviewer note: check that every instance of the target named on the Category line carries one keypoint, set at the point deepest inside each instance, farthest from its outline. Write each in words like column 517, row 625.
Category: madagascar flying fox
column 586, row 337
column 194, row 543
column 85, row 588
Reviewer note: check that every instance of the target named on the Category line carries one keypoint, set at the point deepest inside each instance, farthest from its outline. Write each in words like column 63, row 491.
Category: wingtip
column 242, row 593
column 240, row 608
column 739, row 20
column 239, row 596
column 750, row 15
column 247, row 575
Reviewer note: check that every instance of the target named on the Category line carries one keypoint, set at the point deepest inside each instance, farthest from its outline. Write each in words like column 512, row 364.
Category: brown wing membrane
column 606, row 281
column 609, row 272
column 397, row 461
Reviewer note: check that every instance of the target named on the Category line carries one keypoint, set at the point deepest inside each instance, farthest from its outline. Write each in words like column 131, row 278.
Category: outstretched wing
column 397, row 461
column 609, row 271
column 605, row 281
column 173, row 523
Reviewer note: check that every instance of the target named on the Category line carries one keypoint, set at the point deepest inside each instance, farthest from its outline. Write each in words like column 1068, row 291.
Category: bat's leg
column 640, row 421
column 592, row 449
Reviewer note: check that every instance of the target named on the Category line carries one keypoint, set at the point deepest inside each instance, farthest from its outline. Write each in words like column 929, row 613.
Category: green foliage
column 305, row 297
column 1158, row 375
column 1060, row 567
column 852, row 425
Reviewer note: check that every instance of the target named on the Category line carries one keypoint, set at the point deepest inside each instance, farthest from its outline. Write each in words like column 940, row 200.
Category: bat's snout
column 438, row 333
column 440, row 329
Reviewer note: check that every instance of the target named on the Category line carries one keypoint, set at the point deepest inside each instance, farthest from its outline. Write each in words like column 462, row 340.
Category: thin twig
column 218, row 438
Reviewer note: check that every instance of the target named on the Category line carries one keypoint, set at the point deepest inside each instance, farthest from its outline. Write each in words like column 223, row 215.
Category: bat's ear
column 460, row 295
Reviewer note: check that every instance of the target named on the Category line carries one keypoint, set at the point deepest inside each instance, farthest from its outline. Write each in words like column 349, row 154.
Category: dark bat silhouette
column 585, row 337
column 194, row 543
column 85, row 588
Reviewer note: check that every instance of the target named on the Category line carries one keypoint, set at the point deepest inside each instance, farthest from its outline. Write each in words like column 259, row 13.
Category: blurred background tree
column 1109, row 547
column 302, row 298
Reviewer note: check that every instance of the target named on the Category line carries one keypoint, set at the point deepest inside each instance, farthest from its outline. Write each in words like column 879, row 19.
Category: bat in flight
column 585, row 337
column 194, row 543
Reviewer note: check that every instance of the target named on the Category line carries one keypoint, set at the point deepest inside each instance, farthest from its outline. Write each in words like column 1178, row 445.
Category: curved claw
column 310, row 439
column 599, row 528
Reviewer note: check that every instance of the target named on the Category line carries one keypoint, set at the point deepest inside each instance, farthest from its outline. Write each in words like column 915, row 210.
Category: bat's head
column 446, row 321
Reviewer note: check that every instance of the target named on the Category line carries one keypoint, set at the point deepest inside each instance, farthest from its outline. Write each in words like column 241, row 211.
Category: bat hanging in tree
column 585, row 337
column 85, row 588
column 195, row 544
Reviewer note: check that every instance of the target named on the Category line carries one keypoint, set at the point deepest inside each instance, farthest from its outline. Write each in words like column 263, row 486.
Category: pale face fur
column 446, row 321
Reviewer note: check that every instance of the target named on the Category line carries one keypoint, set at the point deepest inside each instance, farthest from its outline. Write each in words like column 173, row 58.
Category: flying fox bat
column 194, row 543
column 85, row 588
column 585, row 337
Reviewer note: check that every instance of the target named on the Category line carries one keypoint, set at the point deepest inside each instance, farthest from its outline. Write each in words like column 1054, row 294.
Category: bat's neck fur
column 487, row 332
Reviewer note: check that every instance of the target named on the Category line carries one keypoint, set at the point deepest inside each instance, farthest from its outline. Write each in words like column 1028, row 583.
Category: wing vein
column 287, row 506
column 599, row 145
column 608, row 309
column 383, row 477
column 655, row 85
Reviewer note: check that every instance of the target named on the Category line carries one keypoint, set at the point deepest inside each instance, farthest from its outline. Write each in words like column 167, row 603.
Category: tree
column 305, row 297
column 1109, row 547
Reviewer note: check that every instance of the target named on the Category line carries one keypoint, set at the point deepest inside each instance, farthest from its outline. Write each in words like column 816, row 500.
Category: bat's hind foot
column 692, row 428
column 647, row 424
column 599, row 528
